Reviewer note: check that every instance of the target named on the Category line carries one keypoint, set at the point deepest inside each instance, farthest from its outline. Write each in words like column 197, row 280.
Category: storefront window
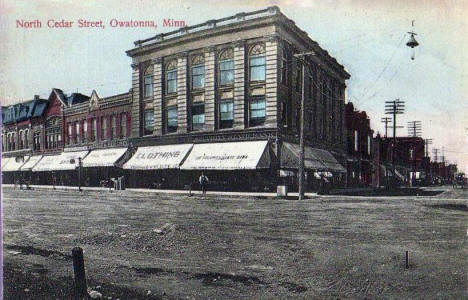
column 226, row 110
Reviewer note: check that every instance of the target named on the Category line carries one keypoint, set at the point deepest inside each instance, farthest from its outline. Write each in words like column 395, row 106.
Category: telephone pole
column 394, row 107
column 414, row 130
column 386, row 121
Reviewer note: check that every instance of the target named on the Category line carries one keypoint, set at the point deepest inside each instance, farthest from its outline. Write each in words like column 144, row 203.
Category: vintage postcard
column 272, row 149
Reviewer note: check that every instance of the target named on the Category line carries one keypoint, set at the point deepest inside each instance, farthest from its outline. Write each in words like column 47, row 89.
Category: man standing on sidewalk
column 203, row 181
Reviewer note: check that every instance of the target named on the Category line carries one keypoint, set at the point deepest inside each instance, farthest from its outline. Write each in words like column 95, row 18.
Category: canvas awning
column 103, row 157
column 158, row 157
column 5, row 161
column 228, row 156
column 32, row 161
column 62, row 162
column 315, row 159
column 15, row 163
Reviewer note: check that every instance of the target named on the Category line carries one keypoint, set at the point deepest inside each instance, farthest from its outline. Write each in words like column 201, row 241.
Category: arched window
column 257, row 63
column 198, row 72
column 148, row 82
column 226, row 66
column 171, row 77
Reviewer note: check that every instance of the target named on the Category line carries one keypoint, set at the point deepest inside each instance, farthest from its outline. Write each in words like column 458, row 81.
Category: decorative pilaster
column 239, row 86
column 271, row 81
column 157, row 94
column 136, row 105
column 210, row 92
column 182, row 93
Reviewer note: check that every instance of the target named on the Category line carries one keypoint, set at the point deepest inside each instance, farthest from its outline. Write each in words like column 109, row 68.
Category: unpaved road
column 228, row 248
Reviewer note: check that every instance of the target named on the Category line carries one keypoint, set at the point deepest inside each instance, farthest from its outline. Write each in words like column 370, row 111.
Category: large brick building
column 236, row 79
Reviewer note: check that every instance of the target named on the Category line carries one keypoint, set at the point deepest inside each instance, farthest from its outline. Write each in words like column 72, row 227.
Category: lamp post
column 301, row 137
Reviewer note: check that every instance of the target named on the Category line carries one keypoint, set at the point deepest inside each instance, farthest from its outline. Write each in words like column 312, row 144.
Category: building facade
column 237, row 79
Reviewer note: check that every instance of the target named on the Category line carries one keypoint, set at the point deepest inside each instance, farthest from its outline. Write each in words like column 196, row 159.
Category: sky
column 367, row 37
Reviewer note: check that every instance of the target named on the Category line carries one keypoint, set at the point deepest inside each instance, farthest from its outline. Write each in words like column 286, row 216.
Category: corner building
column 229, row 91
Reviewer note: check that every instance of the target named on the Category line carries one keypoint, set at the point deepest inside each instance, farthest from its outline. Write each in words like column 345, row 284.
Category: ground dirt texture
column 148, row 246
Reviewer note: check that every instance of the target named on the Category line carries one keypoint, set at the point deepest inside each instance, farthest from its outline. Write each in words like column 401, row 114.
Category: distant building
column 359, row 136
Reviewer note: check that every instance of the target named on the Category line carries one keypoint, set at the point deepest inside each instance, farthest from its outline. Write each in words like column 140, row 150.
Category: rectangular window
column 93, row 129
column 85, row 130
column 148, row 88
column 284, row 71
column 198, row 77
column 368, row 145
column 103, row 128
column 198, row 116
column 123, row 125
column 171, row 119
column 149, row 122
column 257, row 111
column 257, row 68
column 171, row 82
column 226, row 111
column 78, row 132
column 356, row 140
column 113, row 127
column 69, row 133
column 226, row 72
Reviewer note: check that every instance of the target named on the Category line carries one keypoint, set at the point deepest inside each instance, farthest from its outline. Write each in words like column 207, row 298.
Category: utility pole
column 386, row 121
column 394, row 107
column 301, row 56
column 414, row 130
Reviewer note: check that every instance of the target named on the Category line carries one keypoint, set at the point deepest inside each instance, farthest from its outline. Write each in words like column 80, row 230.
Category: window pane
column 257, row 61
column 226, row 68
column 149, row 118
column 257, row 72
column 148, row 86
column 226, row 65
column 171, row 81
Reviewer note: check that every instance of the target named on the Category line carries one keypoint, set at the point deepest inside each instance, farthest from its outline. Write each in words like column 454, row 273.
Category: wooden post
column 407, row 260
column 80, row 288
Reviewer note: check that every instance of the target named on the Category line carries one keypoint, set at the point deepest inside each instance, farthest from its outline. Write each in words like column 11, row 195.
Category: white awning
column 15, row 163
column 60, row 162
column 158, row 157
column 228, row 156
column 32, row 161
column 103, row 157
column 315, row 159
column 5, row 161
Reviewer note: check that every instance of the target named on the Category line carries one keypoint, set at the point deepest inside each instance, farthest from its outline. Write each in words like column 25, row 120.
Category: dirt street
column 146, row 246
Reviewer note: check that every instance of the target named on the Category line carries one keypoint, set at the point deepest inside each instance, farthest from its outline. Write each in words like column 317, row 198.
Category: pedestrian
column 203, row 182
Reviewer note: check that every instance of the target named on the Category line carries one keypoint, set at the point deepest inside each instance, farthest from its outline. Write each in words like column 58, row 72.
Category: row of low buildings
column 223, row 97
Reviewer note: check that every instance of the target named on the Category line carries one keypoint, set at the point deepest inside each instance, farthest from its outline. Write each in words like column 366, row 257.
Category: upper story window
column 171, row 77
column 69, row 133
column 257, row 111
column 226, row 111
column 85, row 130
column 123, row 125
column 198, row 72
column 103, row 128
column 93, row 129
column 149, row 122
column 257, row 63
column 148, row 82
column 226, row 67
column 171, row 119
column 284, row 68
column 113, row 127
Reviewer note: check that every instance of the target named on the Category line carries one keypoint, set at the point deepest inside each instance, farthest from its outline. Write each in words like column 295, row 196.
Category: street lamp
column 301, row 137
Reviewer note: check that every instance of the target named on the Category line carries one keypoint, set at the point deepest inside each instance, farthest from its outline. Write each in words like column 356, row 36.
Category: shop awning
column 5, row 161
column 62, row 162
column 15, row 163
column 315, row 159
column 32, row 161
column 228, row 156
column 158, row 157
column 103, row 157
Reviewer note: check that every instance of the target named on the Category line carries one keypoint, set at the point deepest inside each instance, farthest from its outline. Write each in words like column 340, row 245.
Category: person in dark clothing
column 203, row 182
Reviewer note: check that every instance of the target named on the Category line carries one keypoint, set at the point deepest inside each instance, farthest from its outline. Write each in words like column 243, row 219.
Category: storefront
column 99, row 166
column 321, row 167
column 58, row 169
column 157, row 166
column 234, row 166
column 26, row 169
column 11, row 170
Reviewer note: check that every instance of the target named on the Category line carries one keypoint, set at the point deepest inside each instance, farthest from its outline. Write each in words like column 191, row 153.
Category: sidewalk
column 158, row 191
